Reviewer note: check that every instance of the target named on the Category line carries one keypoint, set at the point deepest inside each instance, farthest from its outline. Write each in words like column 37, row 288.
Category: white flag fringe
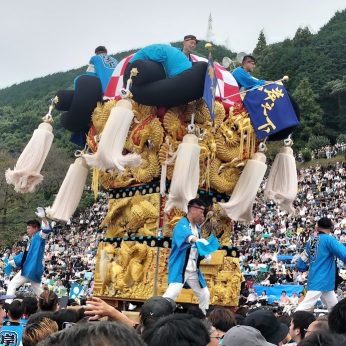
column 239, row 206
column 109, row 155
column 26, row 174
column 185, row 180
column 70, row 192
column 282, row 183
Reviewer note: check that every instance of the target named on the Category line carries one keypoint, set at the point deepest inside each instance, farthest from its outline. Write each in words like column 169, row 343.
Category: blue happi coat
column 173, row 59
column 102, row 66
column 321, row 251
column 245, row 79
column 180, row 253
column 33, row 268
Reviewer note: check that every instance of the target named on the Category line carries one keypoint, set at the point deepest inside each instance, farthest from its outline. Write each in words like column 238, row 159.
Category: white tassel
column 239, row 206
column 282, row 183
column 185, row 180
column 163, row 177
column 104, row 261
column 109, row 152
column 26, row 174
column 70, row 192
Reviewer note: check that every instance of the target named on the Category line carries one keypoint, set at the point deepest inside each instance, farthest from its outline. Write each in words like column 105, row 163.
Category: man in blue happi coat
column 320, row 255
column 173, row 59
column 30, row 261
column 102, row 65
column 243, row 76
column 183, row 263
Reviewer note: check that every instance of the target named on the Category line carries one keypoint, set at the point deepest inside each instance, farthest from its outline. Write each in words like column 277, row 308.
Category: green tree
column 303, row 37
column 311, row 121
column 337, row 91
column 317, row 142
column 261, row 46
column 341, row 138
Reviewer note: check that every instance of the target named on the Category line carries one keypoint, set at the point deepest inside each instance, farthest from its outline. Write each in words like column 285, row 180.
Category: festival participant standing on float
column 30, row 261
column 320, row 253
column 183, row 263
column 189, row 45
column 243, row 76
column 102, row 65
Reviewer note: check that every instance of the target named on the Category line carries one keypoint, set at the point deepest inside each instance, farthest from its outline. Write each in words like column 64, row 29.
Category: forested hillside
column 316, row 66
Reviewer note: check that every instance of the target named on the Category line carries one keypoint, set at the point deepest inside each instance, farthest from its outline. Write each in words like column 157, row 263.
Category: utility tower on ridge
column 210, row 35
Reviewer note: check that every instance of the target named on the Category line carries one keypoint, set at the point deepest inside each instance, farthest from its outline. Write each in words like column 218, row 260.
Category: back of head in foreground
column 15, row 310
column 30, row 306
column 48, row 301
column 222, row 319
column 177, row 329
column 95, row 334
column 154, row 308
column 337, row 318
column 324, row 339
column 38, row 331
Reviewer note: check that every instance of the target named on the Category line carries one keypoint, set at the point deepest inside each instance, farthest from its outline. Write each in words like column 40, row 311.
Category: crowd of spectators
column 326, row 152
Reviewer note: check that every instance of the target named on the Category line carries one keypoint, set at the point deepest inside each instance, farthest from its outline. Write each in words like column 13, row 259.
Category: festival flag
column 75, row 291
column 210, row 85
column 213, row 245
column 270, row 109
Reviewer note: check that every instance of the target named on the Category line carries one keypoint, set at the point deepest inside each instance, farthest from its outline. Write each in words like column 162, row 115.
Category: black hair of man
column 321, row 326
column 324, row 338
column 337, row 318
column 325, row 223
column 177, row 329
column 196, row 202
column 15, row 310
column 39, row 316
column 195, row 311
column 100, row 50
column 102, row 333
column 153, row 309
column 67, row 315
column 30, row 305
column 248, row 57
column 33, row 223
column 302, row 320
column 222, row 319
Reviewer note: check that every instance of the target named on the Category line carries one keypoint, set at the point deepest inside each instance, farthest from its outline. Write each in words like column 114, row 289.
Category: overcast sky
column 39, row 37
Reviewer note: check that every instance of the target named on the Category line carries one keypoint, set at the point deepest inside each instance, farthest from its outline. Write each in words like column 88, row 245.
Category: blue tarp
column 285, row 257
column 274, row 292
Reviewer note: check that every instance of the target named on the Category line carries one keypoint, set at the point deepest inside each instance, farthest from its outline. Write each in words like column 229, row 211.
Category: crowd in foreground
column 42, row 322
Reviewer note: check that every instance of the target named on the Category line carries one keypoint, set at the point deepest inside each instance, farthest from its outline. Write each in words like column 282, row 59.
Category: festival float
column 154, row 143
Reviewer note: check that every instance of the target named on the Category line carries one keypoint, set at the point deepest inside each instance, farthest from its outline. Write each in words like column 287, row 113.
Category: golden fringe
column 95, row 182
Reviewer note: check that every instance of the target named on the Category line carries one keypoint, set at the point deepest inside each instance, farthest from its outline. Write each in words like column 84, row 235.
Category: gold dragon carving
column 132, row 215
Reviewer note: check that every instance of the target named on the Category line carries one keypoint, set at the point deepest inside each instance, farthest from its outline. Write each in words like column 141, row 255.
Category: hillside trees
column 311, row 122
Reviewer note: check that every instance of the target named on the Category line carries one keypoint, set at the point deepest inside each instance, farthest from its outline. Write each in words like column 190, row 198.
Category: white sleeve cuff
column 190, row 238
column 43, row 235
column 12, row 263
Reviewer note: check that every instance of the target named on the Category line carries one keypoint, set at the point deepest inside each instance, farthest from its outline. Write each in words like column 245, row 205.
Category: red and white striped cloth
column 226, row 82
